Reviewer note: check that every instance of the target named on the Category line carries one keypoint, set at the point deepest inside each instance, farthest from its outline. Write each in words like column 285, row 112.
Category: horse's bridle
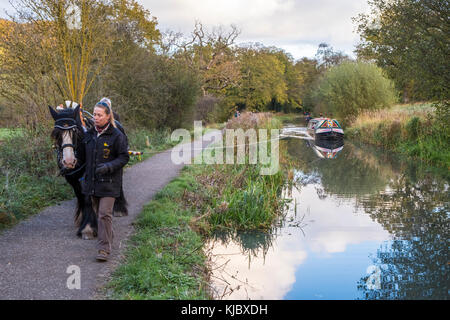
column 66, row 124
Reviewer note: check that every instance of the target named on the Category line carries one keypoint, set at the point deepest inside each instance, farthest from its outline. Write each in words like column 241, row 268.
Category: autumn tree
column 310, row 70
column 148, row 89
column 70, row 50
column 262, row 79
column 133, row 24
column 310, row 73
column 26, row 77
column 293, row 80
column 410, row 40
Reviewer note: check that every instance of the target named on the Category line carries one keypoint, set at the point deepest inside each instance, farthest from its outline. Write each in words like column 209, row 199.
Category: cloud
column 296, row 25
column 268, row 276
column 5, row 5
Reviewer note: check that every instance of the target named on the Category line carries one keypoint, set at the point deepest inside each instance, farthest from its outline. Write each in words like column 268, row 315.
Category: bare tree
column 212, row 56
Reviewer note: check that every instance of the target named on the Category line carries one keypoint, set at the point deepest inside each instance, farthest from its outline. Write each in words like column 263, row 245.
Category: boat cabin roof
column 312, row 123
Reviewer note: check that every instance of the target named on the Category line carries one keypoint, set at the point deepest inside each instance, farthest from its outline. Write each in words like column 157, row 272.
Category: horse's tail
column 120, row 205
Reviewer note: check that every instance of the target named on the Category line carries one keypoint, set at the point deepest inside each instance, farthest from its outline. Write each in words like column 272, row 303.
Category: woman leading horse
column 106, row 154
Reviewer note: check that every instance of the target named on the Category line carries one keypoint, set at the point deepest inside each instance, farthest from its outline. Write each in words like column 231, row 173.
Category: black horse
column 68, row 134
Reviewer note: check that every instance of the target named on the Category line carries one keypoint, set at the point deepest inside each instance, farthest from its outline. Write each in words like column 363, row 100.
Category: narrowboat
column 325, row 128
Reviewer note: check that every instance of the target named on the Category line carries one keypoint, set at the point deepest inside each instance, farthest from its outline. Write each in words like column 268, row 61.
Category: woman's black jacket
column 110, row 148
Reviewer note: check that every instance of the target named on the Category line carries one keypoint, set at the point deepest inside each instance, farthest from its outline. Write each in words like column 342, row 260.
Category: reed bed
column 398, row 113
column 413, row 130
column 251, row 120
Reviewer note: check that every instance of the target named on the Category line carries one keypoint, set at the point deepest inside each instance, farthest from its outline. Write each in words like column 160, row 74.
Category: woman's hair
column 105, row 103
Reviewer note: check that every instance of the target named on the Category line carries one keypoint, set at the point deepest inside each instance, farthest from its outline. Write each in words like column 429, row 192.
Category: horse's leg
column 85, row 218
column 80, row 205
column 88, row 226
column 76, row 186
column 120, row 205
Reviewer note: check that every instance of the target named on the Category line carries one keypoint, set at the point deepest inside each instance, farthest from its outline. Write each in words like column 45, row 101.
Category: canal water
column 359, row 224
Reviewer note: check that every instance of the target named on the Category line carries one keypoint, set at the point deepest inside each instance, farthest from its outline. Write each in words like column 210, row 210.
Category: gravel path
column 37, row 254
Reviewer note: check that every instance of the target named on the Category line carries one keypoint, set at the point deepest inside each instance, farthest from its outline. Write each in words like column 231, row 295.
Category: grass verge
column 413, row 130
column 164, row 259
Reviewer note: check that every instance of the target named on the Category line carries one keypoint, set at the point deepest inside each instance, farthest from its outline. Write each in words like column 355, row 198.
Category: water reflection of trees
column 415, row 265
column 409, row 202
column 254, row 243
column 410, row 269
column 344, row 176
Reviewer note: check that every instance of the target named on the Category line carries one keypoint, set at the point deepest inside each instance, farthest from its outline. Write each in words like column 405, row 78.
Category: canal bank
column 419, row 131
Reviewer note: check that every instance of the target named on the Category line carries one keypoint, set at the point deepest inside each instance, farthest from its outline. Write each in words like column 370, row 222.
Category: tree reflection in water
column 251, row 243
column 410, row 203
column 415, row 264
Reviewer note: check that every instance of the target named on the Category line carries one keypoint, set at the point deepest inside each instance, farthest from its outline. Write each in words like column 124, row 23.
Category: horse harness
column 66, row 124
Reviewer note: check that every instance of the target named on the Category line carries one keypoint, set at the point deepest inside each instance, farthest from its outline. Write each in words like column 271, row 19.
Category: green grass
column 164, row 259
column 22, row 195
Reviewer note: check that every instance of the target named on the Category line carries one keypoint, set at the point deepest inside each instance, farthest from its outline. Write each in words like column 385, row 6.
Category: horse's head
column 66, row 133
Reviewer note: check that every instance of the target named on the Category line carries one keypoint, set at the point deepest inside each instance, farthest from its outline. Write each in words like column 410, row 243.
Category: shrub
column 412, row 128
column 352, row 87
column 29, row 178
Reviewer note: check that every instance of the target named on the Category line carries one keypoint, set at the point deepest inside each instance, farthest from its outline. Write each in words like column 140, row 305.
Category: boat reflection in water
column 326, row 149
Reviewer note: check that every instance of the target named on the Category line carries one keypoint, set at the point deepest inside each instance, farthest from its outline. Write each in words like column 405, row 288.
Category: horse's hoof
column 87, row 236
column 88, row 233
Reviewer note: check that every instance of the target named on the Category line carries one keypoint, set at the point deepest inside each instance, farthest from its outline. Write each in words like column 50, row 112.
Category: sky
column 297, row 26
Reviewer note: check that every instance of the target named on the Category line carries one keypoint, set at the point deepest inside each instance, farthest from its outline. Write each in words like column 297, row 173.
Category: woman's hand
column 102, row 168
